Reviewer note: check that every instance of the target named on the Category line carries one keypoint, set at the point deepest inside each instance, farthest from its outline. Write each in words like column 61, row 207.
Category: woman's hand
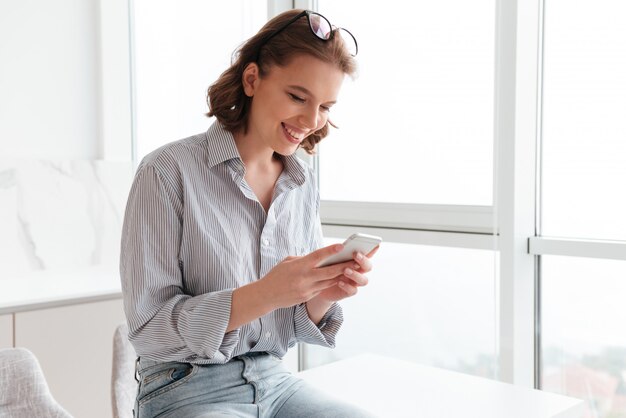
column 351, row 279
column 293, row 281
column 296, row 279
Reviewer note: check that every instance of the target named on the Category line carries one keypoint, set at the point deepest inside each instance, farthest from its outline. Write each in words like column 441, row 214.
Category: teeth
column 296, row 135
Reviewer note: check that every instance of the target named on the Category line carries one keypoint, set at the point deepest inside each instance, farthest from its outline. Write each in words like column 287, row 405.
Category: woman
column 222, row 235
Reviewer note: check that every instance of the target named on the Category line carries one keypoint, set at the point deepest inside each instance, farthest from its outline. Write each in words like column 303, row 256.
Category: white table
column 395, row 388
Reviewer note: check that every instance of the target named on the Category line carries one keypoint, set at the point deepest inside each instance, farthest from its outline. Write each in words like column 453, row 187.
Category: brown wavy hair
column 226, row 98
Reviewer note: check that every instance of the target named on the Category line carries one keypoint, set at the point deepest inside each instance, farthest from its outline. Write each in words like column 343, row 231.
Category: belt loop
column 137, row 370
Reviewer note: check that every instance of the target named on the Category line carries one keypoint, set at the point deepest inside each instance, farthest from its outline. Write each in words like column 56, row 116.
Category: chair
column 123, row 384
column 24, row 392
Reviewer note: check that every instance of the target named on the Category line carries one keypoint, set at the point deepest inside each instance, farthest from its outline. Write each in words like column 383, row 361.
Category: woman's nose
column 310, row 118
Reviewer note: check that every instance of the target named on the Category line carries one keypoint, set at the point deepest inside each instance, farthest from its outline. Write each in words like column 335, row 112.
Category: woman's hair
column 226, row 98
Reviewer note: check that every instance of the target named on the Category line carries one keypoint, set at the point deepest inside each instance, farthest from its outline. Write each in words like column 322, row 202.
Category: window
column 583, row 346
column 582, row 206
column 584, row 130
column 420, row 114
column 414, row 153
column 180, row 49
column 428, row 304
column 441, row 87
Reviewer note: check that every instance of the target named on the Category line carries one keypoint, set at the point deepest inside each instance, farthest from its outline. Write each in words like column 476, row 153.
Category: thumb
column 318, row 256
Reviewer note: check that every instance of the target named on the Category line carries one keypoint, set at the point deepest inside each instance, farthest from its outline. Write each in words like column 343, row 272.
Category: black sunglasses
column 322, row 29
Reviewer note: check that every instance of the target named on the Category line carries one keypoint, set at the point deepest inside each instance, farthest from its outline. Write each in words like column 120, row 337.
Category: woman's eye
column 296, row 98
column 325, row 108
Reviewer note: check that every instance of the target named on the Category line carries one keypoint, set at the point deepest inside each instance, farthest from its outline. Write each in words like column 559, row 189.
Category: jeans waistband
column 142, row 363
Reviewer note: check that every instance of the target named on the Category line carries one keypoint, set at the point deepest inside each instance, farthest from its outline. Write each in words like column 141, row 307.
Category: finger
column 363, row 263
column 334, row 270
column 365, row 268
column 358, row 278
column 347, row 288
column 324, row 284
column 320, row 255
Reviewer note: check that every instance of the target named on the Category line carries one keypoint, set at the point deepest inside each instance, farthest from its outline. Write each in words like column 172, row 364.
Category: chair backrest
column 123, row 384
column 24, row 392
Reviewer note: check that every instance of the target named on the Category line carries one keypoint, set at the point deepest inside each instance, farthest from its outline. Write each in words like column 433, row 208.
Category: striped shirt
column 193, row 232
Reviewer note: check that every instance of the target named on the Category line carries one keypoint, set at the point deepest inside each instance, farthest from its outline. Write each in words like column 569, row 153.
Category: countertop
column 46, row 289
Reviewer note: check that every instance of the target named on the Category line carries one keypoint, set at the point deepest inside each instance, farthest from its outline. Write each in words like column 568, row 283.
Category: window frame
column 505, row 226
column 117, row 109
column 511, row 226
column 604, row 249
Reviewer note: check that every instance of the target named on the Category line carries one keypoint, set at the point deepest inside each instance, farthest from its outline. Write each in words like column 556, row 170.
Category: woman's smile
column 293, row 135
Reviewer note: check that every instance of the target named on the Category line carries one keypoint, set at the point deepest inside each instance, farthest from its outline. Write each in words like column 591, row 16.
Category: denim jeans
column 253, row 385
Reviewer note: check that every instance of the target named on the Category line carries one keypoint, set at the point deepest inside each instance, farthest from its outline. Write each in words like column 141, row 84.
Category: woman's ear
column 250, row 78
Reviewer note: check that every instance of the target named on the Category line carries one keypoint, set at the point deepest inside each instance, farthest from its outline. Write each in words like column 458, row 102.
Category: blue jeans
column 253, row 385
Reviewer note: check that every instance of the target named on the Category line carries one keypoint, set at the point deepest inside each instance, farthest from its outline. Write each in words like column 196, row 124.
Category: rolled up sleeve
column 323, row 334
column 164, row 323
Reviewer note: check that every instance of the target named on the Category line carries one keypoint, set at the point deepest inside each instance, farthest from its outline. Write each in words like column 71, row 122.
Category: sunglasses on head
column 322, row 29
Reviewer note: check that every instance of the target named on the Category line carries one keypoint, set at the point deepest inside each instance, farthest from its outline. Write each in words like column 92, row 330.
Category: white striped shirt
column 193, row 232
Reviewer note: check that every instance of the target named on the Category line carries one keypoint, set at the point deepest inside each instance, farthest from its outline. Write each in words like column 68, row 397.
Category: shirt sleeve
column 323, row 334
column 165, row 324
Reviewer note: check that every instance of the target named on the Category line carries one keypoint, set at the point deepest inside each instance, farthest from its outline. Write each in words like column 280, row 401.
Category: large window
column 584, row 128
column 428, row 304
column 511, row 269
column 583, row 348
column 414, row 152
column 180, row 48
column 583, row 343
column 420, row 114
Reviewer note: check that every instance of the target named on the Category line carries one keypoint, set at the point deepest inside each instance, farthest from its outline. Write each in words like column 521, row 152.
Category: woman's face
column 291, row 102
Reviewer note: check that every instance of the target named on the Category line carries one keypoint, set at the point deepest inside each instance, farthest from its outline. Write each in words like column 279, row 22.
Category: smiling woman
column 222, row 235
column 290, row 103
column 279, row 46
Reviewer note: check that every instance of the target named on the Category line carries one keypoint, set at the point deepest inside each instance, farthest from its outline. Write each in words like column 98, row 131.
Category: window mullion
column 517, row 37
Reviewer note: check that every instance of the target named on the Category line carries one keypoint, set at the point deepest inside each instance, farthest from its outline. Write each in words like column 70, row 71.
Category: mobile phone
column 356, row 242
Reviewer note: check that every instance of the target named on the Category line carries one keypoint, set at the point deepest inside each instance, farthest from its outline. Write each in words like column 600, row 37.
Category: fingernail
column 341, row 284
column 359, row 256
column 357, row 266
column 348, row 272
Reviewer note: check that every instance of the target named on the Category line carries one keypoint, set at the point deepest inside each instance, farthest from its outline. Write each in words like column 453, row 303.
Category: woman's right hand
column 296, row 279
column 293, row 281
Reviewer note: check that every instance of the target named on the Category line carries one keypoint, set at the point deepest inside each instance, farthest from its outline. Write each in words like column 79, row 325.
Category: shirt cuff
column 210, row 314
column 324, row 334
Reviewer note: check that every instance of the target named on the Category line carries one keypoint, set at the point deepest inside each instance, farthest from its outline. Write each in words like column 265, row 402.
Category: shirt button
column 268, row 334
column 266, row 241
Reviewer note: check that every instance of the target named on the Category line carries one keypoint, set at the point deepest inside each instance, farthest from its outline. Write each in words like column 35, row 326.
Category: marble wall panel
column 61, row 215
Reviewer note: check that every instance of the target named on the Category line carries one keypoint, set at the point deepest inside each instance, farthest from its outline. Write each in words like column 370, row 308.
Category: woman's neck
column 254, row 153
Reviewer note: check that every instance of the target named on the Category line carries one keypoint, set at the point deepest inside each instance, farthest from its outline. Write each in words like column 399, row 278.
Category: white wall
column 51, row 82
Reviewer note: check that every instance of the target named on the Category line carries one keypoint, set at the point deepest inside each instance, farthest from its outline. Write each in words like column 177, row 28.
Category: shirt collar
column 220, row 144
column 294, row 167
column 222, row 148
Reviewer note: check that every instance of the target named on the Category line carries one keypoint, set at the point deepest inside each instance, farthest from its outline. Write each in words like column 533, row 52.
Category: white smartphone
column 356, row 242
